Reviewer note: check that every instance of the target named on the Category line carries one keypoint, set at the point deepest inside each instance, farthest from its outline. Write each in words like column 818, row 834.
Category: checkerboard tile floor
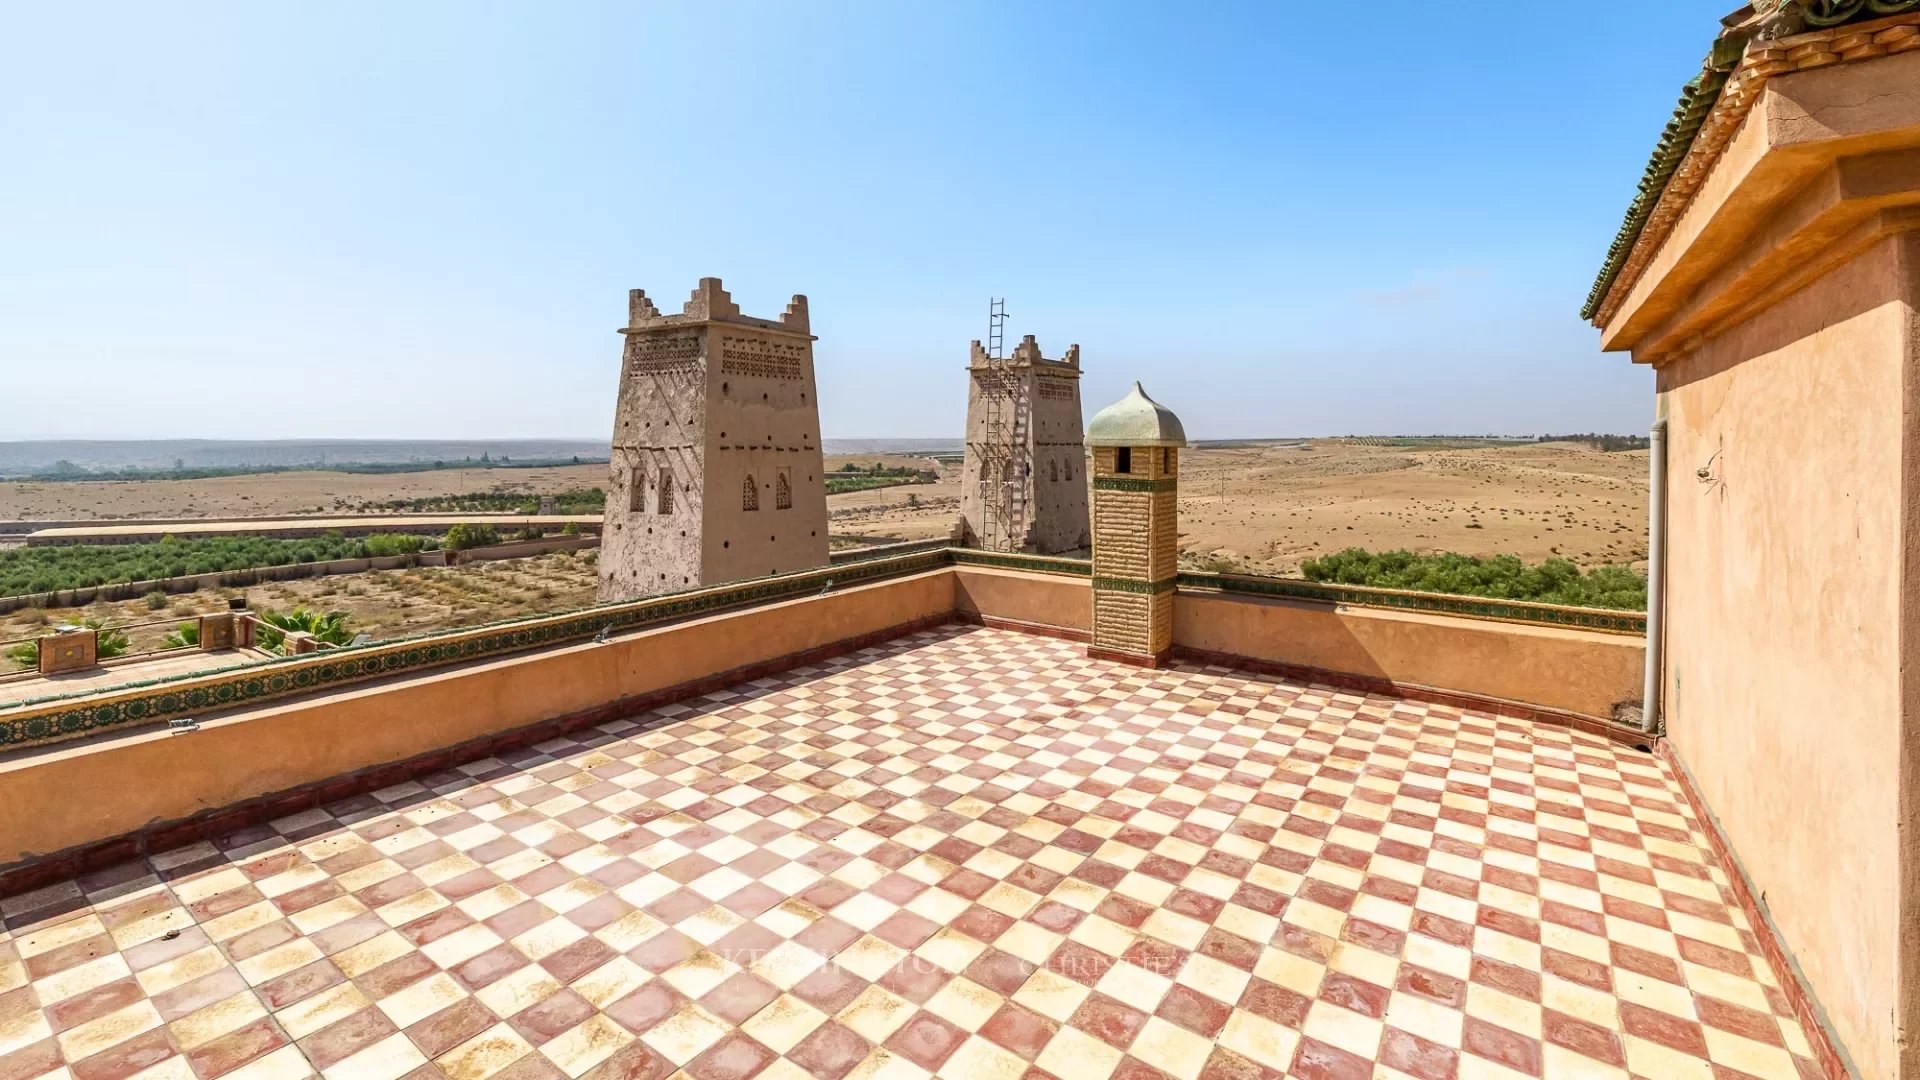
column 967, row 853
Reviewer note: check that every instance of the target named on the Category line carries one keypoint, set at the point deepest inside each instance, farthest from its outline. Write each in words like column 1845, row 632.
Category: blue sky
column 421, row 220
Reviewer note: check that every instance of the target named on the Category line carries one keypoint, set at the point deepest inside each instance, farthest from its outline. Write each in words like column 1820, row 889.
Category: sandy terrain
column 1271, row 507
column 1261, row 508
column 1264, row 507
column 305, row 492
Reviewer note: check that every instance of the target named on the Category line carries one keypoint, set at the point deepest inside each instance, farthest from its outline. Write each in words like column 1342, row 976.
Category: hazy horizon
column 21, row 456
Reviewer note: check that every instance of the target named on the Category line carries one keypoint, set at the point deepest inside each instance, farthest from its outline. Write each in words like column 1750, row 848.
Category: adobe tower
column 1024, row 480
column 716, row 471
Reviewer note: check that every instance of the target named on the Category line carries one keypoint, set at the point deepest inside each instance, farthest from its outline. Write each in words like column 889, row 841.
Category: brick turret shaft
column 1136, row 554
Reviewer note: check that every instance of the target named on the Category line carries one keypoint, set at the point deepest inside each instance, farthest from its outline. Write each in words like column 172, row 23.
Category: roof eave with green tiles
column 1699, row 96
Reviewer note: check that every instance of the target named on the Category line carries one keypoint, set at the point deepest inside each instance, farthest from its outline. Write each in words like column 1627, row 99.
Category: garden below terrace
column 1498, row 577
column 26, row 570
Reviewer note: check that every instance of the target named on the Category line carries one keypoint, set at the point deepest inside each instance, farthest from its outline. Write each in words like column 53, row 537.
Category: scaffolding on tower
column 1001, row 453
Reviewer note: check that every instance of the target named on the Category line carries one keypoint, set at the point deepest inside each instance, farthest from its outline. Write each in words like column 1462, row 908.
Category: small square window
column 1123, row 460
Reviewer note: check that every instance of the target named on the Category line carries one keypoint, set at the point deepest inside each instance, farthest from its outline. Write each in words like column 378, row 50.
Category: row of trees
column 1503, row 577
column 64, row 470
column 573, row 501
column 1606, row 443
column 45, row 569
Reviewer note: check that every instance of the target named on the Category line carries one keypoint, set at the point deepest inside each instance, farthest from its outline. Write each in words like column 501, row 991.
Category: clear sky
column 421, row 219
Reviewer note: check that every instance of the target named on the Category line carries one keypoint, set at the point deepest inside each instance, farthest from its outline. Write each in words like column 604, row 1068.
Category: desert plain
column 1255, row 507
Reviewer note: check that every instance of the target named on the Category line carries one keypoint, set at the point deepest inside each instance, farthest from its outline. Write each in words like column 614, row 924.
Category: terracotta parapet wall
column 1578, row 672
column 252, row 752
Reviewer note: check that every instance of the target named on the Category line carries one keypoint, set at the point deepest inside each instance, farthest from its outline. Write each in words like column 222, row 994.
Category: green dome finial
column 1136, row 420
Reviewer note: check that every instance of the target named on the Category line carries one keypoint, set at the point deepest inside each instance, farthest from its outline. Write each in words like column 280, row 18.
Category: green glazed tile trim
column 1132, row 585
column 1697, row 99
column 1128, row 483
column 884, row 551
column 1479, row 607
column 1043, row 564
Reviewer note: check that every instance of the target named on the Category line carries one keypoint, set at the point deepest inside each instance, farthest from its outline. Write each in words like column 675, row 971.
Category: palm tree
column 329, row 629
column 186, row 637
column 106, row 645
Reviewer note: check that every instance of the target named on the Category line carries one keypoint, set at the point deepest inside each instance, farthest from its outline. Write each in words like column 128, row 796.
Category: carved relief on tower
column 995, row 382
column 663, row 354
column 1056, row 389
column 764, row 357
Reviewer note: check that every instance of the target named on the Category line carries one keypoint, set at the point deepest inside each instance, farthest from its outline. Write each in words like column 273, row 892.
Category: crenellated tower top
column 711, row 303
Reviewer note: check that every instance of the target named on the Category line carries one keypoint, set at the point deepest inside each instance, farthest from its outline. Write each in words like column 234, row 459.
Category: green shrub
column 330, row 628
column 186, row 635
column 571, row 528
column 466, row 535
column 106, row 645
column 575, row 501
column 45, row 569
column 156, row 600
column 381, row 545
column 1503, row 577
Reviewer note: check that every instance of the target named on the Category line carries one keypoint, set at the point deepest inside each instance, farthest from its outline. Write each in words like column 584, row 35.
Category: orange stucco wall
column 253, row 752
column 1574, row 670
column 1783, row 659
column 1041, row 599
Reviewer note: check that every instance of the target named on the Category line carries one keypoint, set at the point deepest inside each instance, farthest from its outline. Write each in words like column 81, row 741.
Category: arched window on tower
column 637, row 496
column 782, row 492
column 749, row 494
column 665, row 498
column 1053, row 471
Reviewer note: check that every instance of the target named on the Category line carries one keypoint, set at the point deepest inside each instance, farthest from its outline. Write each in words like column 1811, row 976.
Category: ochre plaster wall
column 253, row 752
column 1042, row 599
column 1782, row 693
column 1574, row 670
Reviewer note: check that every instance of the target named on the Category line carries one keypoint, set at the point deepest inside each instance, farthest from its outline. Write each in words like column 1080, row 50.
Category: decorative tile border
column 885, row 551
column 1003, row 560
column 1476, row 607
column 1132, row 585
column 1128, row 483
column 50, row 720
